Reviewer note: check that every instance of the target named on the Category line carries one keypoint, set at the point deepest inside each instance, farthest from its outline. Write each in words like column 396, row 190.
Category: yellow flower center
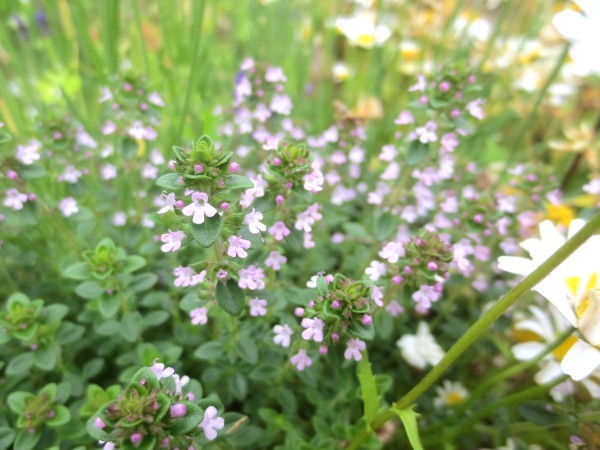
column 525, row 336
column 560, row 213
column 454, row 398
column 365, row 39
column 573, row 283
column 560, row 351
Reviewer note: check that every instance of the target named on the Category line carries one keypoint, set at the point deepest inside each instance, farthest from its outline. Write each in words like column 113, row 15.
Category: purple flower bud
column 220, row 184
column 397, row 279
column 178, row 410
column 11, row 175
column 408, row 269
column 335, row 304
column 164, row 442
column 127, row 87
column 57, row 135
column 276, row 161
column 455, row 113
column 143, row 106
column 34, row 347
column 458, row 95
column 366, row 319
column 31, row 197
column 136, row 438
column 323, row 349
column 444, row 86
column 190, row 396
column 423, row 100
column 234, row 167
column 198, row 168
column 99, row 423
column 329, row 278
column 279, row 199
column 289, row 185
column 471, row 79
column 299, row 312
column 335, row 337
column 50, row 414
column 432, row 266
column 311, row 304
column 438, row 287
column 222, row 274
column 478, row 218
column 31, row 430
column 172, row 165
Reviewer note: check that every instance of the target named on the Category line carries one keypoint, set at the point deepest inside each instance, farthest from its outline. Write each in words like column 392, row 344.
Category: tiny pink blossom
column 211, row 423
column 314, row 329
column 301, row 360
column 253, row 220
column 172, row 241
column 238, row 247
column 258, row 307
column 199, row 316
column 354, row 347
column 199, row 208
column 275, row 260
column 283, row 334
column 279, row 231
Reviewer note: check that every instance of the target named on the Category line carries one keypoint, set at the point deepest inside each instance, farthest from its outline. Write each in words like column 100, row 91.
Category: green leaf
column 55, row 313
column 209, row 350
column 322, row 285
column 144, row 281
column 365, row 332
column 61, row 416
column 247, row 350
column 146, row 375
column 69, row 333
column 46, row 355
column 170, row 182
column 109, row 305
column 368, row 388
column 230, row 297
column 235, row 182
column 416, row 152
column 238, row 386
column 131, row 326
column 385, row 226
column 17, row 400
column 133, row 263
column 409, row 420
column 207, row 233
column 89, row 290
column 92, row 368
column 188, row 423
column 20, row 364
column 537, row 412
column 155, row 318
column 26, row 440
column 97, row 433
column 7, row 436
column 148, row 443
column 78, row 271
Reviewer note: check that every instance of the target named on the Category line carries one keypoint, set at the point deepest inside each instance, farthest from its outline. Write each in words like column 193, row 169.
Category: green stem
column 510, row 371
column 505, row 401
column 482, row 325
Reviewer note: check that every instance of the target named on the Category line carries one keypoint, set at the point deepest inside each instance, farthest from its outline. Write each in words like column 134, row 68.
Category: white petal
column 589, row 322
column 550, row 236
column 528, row 350
column 555, row 293
column 516, row 265
column 592, row 387
column 551, row 371
column 580, row 360
column 571, row 24
column 209, row 210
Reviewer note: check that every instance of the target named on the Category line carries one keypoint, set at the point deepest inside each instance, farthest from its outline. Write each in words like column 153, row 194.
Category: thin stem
column 482, row 325
column 368, row 388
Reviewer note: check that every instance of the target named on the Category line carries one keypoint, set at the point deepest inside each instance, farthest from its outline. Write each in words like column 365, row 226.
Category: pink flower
column 354, row 347
column 392, row 252
column 281, row 104
column 68, row 206
column 420, row 86
column 404, row 118
column 301, row 360
column 475, row 108
column 251, row 278
column 376, row 270
column 177, row 410
column 394, row 308
column 211, row 423
column 238, row 247
column 28, row 154
column 283, row 334
column 199, row 208
column 425, row 296
column 275, row 75
column 314, row 329
column 279, row 231
column 160, row 371
column 275, row 260
column 306, row 219
column 313, row 182
column 15, row 199
column 377, row 296
column 258, row 307
column 427, row 133
column 170, row 202
column 187, row 276
column 199, row 316
column 253, row 220
column 172, row 241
